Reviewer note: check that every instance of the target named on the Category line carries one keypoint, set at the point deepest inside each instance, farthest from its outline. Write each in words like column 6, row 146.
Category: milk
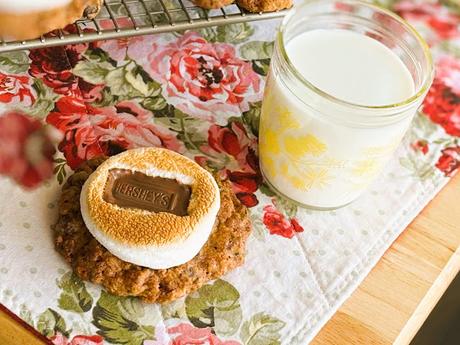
column 312, row 149
column 351, row 66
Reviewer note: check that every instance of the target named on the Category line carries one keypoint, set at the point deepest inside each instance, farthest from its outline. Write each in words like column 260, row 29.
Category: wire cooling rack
column 123, row 18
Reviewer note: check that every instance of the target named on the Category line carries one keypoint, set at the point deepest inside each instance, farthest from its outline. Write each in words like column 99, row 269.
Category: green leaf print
column 450, row 47
column 234, row 33
column 118, row 320
column 154, row 103
column 99, row 55
column 93, row 71
column 453, row 5
column 14, row 62
column 141, row 81
column 74, row 296
column 419, row 168
column 261, row 66
column 285, row 206
column 26, row 315
column 261, row 329
column 256, row 50
column 106, row 100
column 50, row 322
column 252, row 116
column 44, row 102
column 215, row 305
column 118, row 85
column 209, row 33
column 258, row 227
column 424, row 126
column 60, row 169
column 174, row 310
column 130, row 81
column 124, row 82
column 191, row 131
column 265, row 189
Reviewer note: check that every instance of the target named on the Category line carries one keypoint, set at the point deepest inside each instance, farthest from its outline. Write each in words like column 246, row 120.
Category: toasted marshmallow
column 151, row 207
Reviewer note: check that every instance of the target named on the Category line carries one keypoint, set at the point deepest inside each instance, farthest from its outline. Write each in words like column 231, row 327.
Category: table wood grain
column 395, row 298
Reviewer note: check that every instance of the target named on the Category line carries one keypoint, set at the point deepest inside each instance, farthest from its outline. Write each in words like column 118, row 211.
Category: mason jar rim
column 407, row 102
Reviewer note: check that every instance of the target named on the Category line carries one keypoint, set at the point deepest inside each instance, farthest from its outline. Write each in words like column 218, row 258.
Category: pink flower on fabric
column 15, row 88
column 442, row 23
column 448, row 71
column 60, row 339
column 449, row 161
column 26, row 150
column 91, row 132
column 136, row 48
column 205, row 80
column 278, row 224
column 421, row 146
column 185, row 334
column 442, row 103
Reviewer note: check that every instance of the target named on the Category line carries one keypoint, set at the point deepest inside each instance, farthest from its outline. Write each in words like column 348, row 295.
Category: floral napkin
column 301, row 265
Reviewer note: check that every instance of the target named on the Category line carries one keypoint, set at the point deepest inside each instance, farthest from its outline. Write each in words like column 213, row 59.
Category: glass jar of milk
column 345, row 81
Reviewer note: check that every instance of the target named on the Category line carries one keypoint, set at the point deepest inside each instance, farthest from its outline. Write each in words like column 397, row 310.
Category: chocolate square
column 133, row 189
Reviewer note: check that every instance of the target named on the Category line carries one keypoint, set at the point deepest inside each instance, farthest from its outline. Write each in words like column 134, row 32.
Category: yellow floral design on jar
column 287, row 149
column 364, row 170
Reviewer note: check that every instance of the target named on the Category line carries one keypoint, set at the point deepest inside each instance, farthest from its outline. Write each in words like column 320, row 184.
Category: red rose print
column 443, row 24
column 60, row 339
column 295, row 224
column 243, row 166
column 421, row 145
column 15, row 88
column 449, row 161
column 185, row 334
column 26, row 150
column 203, row 161
column 232, row 139
column 245, row 182
column 448, row 72
column 247, row 199
column 442, row 104
column 90, row 132
column 136, row 48
column 203, row 79
column 277, row 224
column 54, row 66
column 244, row 185
column 223, row 139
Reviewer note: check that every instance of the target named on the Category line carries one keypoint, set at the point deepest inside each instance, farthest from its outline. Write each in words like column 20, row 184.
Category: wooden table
column 396, row 297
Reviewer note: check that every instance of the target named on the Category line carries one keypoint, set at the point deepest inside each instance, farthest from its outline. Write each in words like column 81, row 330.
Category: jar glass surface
column 322, row 151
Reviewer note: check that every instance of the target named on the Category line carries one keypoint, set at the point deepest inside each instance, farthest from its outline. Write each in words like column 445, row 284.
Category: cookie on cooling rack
column 212, row 4
column 249, row 5
column 264, row 5
column 28, row 19
column 150, row 223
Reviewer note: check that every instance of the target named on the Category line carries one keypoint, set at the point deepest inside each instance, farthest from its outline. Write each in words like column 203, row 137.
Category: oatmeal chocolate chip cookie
column 264, row 5
column 42, row 16
column 224, row 250
column 212, row 4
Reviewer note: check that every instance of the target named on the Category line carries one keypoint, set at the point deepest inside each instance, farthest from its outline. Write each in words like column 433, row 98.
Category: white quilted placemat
column 300, row 266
